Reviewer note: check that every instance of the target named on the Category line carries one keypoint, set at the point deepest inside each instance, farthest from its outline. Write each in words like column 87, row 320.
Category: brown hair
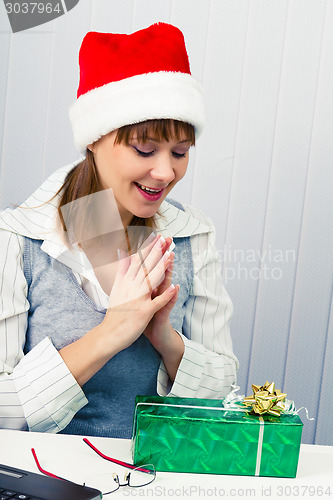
column 83, row 180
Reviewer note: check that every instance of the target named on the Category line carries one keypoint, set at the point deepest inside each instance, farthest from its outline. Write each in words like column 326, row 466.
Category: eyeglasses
column 136, row 477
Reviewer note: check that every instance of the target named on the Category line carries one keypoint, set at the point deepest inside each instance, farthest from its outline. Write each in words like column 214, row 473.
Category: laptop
column 21, row 484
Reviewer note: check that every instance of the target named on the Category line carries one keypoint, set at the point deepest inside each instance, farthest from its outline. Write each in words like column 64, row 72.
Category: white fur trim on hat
column 136, row 99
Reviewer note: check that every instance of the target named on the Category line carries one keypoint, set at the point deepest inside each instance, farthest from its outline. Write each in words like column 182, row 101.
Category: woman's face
column 140, row 174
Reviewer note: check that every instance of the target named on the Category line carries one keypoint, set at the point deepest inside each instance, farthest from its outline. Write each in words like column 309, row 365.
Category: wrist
column 86, row 356
column 170, row 345
column 106, row 344
column 172, row 354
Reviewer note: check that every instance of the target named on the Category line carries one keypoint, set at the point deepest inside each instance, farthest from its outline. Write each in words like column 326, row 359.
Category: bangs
column 162, row 130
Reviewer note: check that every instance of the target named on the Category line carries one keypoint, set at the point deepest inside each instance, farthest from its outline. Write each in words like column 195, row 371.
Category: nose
column 163, row 170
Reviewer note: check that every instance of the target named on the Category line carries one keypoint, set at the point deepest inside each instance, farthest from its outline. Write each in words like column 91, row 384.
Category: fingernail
column 171, row 288
column 162, row 241
column 118, row 252
column 166, row 255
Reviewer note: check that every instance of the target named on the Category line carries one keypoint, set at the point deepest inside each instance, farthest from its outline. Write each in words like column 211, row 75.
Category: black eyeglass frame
column 115, row 477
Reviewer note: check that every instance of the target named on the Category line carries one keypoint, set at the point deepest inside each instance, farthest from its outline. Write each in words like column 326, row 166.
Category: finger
column 138, row 262
column 154, row 254
column 168, row 275
column 173, row 301
column 164, row 312
column 147, row 246
column 152, row 258
column 162, row 300
column 146, row 276
column 168, row 241
column 158, row 273
column 136, row 268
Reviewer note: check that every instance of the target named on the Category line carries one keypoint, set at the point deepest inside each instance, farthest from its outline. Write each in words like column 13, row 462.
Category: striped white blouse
column 37, row 391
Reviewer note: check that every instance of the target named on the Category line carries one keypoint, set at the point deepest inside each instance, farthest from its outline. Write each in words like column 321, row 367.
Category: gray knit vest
column 61, row 310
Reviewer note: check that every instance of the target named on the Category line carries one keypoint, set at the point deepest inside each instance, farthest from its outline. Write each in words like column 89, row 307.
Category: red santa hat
column 126, row 79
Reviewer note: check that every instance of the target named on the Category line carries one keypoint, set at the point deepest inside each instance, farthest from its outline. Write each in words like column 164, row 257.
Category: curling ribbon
column 233, row 402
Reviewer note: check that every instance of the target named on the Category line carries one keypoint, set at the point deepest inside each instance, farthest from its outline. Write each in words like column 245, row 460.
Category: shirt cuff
column 49, row 393
column 188, row 375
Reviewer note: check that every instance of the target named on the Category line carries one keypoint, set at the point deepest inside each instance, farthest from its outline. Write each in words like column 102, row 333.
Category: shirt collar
column 177, row 223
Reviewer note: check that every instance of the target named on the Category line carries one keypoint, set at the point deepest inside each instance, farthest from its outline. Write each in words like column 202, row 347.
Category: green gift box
column 203, row 436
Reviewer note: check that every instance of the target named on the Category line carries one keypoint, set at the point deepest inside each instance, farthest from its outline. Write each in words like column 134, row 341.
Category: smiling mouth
column 148, row 190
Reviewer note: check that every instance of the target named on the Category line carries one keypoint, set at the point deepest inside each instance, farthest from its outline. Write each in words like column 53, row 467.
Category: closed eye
column 145, row 154
column 178, row 155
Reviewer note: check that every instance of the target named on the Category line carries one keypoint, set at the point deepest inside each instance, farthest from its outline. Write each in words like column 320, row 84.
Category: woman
column 108, row 289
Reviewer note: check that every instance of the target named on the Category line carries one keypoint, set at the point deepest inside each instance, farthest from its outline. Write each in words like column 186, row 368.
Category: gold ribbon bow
column 266, row 399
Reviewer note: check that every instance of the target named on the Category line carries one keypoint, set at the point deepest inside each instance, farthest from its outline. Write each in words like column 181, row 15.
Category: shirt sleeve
column 208, row 367
column 37, row 391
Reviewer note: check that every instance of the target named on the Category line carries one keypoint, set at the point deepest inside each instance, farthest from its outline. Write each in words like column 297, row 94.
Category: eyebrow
column 158, row 141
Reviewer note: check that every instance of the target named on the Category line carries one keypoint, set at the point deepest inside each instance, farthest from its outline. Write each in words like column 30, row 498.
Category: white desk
column 69, row 457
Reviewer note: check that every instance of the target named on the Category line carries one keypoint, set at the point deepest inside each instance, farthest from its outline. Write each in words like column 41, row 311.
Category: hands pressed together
column 140, row 302
column 142, row 298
